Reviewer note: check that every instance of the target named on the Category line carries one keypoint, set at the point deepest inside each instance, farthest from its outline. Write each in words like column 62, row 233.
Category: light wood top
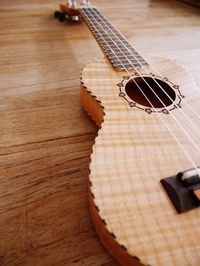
column 46, row 138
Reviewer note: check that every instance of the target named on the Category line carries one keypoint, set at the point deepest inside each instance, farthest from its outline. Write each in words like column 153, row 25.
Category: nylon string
column 153, row 90
column 193, row 111
column 171, row 132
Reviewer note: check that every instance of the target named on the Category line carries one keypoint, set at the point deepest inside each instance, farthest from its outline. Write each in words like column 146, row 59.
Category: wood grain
column 45, row 136
column 132, row 152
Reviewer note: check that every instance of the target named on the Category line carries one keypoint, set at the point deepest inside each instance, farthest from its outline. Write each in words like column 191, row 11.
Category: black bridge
column 184, row 189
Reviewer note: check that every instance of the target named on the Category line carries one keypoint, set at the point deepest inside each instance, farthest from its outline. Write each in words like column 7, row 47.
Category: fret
column 130, row 56
column 123, row 54
column 120, row 52
column 125, row 60
column 125, row 64
column 128, row 66
column 116, row 42
column 127, row 55
column 119, row 46
column 107, row 32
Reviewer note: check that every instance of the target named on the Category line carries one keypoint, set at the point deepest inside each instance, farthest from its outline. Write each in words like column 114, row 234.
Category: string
column 157, row 95
column 147, row 84
column 171, row 132
column 193, row 111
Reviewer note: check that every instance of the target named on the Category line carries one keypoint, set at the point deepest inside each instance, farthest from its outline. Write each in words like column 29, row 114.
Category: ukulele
column 144, row 184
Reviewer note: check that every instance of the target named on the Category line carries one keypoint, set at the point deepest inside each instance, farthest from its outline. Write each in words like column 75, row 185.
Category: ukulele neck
column 118, row 50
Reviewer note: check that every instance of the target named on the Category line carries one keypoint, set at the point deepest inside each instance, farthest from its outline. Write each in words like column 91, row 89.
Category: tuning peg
column 86, row 3
column 60, row 16
column 68, row 12
column 72, row 4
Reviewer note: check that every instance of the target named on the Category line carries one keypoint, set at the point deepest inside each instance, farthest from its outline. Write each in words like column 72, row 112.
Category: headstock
column 70, row 11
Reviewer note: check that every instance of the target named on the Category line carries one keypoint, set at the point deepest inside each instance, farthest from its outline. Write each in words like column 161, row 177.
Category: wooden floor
column 46, row 138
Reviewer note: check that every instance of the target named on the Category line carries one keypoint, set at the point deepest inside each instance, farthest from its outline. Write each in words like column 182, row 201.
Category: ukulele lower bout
column 133, row 151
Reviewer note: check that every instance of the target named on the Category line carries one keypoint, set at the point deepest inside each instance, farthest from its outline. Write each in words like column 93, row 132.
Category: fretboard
column 116, row 47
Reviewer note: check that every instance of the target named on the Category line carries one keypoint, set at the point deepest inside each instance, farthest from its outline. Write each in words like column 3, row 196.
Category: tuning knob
column 68, row 12
column 86, row 3
column 60, row 16
column 72, row 4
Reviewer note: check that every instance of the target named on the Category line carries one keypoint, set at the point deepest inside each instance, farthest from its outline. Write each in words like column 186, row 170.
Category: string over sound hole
column 150, row 92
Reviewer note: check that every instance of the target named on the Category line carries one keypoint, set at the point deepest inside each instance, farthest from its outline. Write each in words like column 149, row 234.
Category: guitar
column 144, row 184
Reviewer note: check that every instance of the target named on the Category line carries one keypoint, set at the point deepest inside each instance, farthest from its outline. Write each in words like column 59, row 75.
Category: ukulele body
column 133, row 151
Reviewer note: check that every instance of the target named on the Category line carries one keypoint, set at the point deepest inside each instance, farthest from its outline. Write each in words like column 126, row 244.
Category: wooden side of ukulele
column 132, row 214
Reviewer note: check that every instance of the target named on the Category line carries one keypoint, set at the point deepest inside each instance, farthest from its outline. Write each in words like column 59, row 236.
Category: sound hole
column 163, row 91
